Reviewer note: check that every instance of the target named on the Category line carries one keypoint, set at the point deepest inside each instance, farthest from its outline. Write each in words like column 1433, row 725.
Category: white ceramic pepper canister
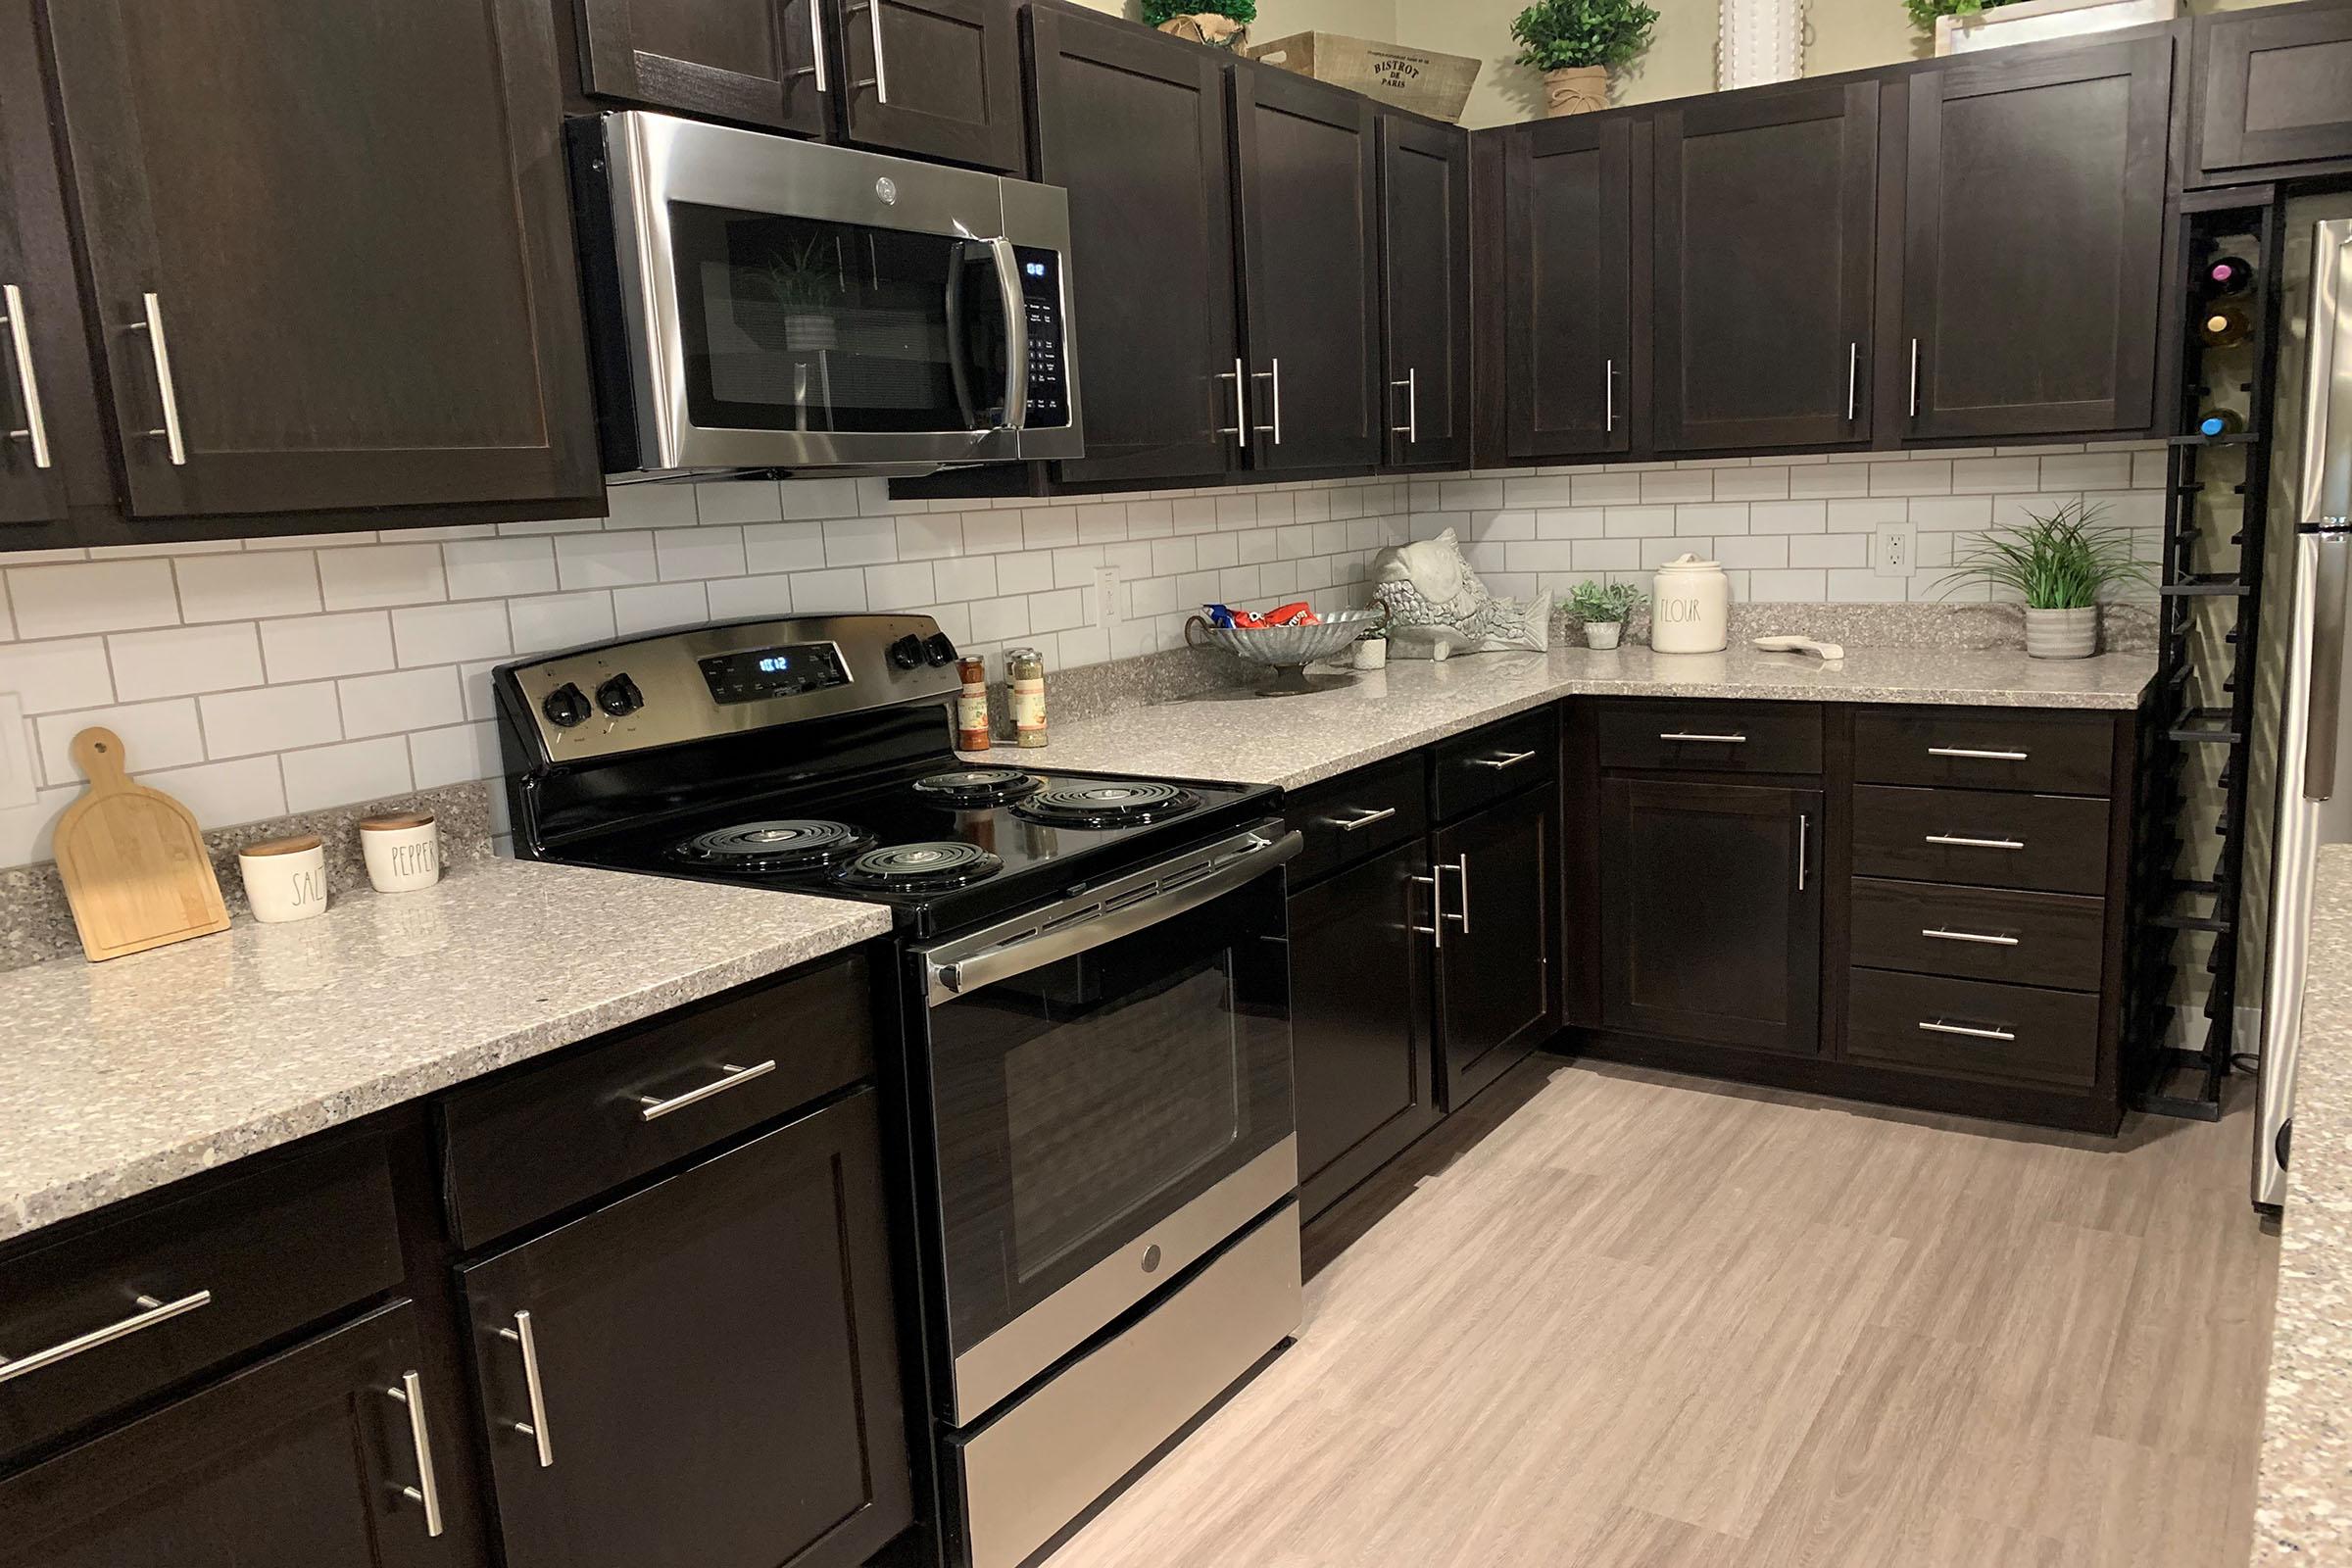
column 1690, row 609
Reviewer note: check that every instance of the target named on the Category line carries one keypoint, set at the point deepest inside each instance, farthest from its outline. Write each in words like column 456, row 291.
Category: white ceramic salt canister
column 1691, row 607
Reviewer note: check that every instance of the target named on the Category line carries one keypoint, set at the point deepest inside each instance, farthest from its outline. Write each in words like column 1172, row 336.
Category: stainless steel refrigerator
column 2310, row 489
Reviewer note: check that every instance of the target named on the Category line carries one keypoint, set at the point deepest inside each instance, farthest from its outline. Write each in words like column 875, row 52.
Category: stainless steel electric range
column 1094, row 999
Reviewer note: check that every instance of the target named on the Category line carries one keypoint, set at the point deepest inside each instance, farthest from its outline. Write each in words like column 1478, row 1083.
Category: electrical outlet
column 16, row 753
column 1105, row 605
column 1894, row 549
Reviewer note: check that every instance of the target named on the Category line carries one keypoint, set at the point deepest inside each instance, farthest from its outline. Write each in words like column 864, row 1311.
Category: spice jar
column 1025, row 672
column 971, row 705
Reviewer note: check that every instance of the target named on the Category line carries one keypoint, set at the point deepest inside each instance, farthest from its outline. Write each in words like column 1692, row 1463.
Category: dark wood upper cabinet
column 2033, row 237
column 45, row 413
column 939, row 79
column 301, row 1459
column 1133, row 124
column 763, row 62
column 362, row 298
column 709, row 1368
column 1763, row 242
column 1425, row 291
column 1309, row 268
column 2273, row 93
column 1497, row 879
column 1710, row 911
column 1567, row 260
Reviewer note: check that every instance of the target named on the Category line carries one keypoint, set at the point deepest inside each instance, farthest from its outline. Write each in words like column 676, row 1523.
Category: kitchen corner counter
column 126, row 1075
column 1234, row 736
column 2303, row 1507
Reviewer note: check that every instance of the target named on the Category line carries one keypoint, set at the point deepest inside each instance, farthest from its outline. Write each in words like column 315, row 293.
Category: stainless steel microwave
column 763, row 304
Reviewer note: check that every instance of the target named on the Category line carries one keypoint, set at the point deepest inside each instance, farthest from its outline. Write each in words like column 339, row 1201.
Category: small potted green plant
column 1604, row 609
column 1219, row 24
column 1576, row 43
column 2061, row 563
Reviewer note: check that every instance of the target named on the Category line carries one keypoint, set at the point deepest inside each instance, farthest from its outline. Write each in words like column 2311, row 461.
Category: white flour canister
column 1691, row 611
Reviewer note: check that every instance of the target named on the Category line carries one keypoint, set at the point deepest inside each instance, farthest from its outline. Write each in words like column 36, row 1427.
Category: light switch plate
column 16, row 753
column 1104, row 609
column 1895, row 550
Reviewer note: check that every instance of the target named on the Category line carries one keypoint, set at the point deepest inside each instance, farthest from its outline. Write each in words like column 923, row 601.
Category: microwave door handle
column 1016, row 334
column 955, row 311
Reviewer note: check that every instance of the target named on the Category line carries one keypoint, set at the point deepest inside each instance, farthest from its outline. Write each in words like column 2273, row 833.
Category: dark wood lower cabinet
column 306, row 1460
column 1497, row 875
column 1361, row 1026
column 714, row 1363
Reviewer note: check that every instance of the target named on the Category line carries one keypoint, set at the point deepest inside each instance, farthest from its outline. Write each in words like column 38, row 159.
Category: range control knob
column 565, row 707
column 619, row 697
column 939, row 651
column 907, row 651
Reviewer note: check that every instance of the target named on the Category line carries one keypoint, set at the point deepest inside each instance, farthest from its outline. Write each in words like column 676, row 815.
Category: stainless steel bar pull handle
column 427, row 1490
column 1506, row 760
column 1804, row 831
column 1361, row 820
column 880, row 79
column 1274, row 375
column 816, row 43
column 1460, row 867
column 1410, row 430
column 1967, row 751
column 1436, row 929
column 19, row 339
column 160, row 349
column 151, row 1312
column 1963, row 841
column 1937, row 1026
column 1608, row 394
column 1712, row 740
column 523, row 1337
column 1854, row 377
column 1240, row 428
column 1914, row 398
column 654, row 1109
column 1991, row 939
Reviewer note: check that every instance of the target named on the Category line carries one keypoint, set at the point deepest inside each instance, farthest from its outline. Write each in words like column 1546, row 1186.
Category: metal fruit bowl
column 1288, row 650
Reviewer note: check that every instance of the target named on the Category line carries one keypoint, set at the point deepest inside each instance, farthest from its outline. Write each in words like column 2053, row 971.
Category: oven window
column 790, row 324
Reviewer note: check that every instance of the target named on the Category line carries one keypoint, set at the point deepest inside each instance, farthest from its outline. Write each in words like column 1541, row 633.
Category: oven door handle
column 951, row 971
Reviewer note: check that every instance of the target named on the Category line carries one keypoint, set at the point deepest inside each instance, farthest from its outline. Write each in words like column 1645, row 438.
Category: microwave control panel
column 1048, row 375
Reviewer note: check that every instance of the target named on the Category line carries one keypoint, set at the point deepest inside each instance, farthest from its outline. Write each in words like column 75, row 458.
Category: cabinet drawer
column 2053, row 842
column 245, row 1260
column 2028, row 939
column 1358, row 814
column 1712, row 737
column 1996, row 749
column 1970, row 1029
column 1484, row 765
column 523, row 1148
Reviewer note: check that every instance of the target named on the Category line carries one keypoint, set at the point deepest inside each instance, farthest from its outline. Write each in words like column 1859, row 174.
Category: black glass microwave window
column 792, row 323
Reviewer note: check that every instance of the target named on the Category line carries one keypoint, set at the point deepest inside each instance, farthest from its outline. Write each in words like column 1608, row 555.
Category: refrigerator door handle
column 2333, row 573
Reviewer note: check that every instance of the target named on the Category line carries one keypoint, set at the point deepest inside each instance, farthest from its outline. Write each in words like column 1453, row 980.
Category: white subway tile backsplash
column 449, row 634
column 1027, row 572
column 269, row 718
column 679, row 505
column 1828, row 550
column 699, row 554
column 820, row 593
column 82, row 597
column 543, row 625
column 377, row 575
column 58, row 676
column 659, row 608
column 452, row 755
column 749, row 598
column 607, row 559
column 184, row 661
column 929, row 535
column 499, row 569
column 163, row 734
column 2090, row 470
column 314, row 647
column 820, row 498
column 861, row 541
column 904, row 586
column 402, row 701
column 731, row 501
column 1828, row 479
column 338, row 775
column 784, row 547
column 250, row 789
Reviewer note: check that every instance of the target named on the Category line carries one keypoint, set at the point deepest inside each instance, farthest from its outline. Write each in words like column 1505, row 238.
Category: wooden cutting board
column 132, row 859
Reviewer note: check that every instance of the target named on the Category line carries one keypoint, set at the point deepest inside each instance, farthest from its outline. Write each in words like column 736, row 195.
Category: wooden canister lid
column 395, row 821
column 293, row 845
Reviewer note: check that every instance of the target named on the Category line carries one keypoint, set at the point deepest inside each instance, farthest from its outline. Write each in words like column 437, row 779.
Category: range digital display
column 758, row 674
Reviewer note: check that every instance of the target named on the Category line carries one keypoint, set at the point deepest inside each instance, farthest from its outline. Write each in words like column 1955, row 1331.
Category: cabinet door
column 1425, row 291
column 939, row 79
column 1567, row 343
column 1364, row 1080
column 1710, row 913
column 709, row 1369
column 1132, row 123
column 46, row 425
column 1763, row 240
column 758, row 61
column 2032, row 238
column 1309, row 268
column 2275, row 88
column 1496, row 871
column 307, row 1458
column 364, row 296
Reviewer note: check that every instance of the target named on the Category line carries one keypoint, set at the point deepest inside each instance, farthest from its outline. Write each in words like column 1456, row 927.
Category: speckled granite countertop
column 1293, row 741
column 126, row 1075
column 2303, row 1507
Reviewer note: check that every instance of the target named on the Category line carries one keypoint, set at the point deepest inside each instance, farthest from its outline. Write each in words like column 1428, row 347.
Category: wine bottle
column 2221, row 422
column 2227, row 275
column 2224, row 323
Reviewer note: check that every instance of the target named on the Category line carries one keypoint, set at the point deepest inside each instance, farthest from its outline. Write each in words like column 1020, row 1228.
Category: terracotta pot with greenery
column 2061, row 565
column 1219, row 24
column 1576, row 43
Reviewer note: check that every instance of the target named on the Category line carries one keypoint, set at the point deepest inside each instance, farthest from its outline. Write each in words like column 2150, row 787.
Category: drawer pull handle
column 1708, row 740
column 1971, row 1030
column 1364, row 820
column 655, row 1110
column 427, row 1490
column 1988, row 938
column 1436, row 929
column 1963, row 841
column 1970, row 752
column 535, row 1428
column 1506, row 760
column 151, row 1312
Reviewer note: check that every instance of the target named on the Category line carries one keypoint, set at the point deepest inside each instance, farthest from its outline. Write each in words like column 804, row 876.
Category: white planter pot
column 2037, row 20
column 1603, row 633
column 2062, row 633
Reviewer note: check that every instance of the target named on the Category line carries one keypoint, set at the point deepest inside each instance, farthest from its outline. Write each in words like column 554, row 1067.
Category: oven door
column 789, row 304
column 1110, row 1100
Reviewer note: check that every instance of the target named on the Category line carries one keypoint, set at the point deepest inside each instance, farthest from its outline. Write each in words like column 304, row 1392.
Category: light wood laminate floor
column 1656, row 1322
